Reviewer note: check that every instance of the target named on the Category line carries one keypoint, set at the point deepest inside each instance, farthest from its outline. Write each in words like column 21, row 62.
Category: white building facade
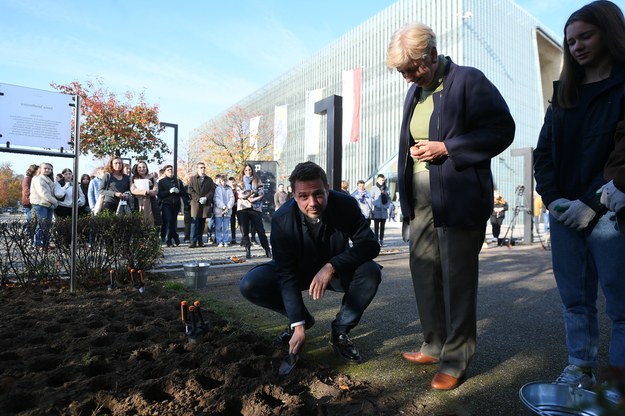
column 496, row 36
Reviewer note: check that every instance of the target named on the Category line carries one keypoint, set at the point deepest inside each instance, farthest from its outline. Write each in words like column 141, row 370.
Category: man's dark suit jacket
column 196, row 191
column 298, row 257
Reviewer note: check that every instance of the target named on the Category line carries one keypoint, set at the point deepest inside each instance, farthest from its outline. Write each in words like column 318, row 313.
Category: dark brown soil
column 120, row 352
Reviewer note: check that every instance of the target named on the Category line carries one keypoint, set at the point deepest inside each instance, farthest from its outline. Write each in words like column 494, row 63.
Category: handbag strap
column 107, row 181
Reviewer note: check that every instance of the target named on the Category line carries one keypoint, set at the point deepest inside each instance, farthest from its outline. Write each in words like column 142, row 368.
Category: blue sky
column 193, row 58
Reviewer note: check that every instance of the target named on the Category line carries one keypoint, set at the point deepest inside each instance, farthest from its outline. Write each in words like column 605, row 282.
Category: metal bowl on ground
column 196, row 275
column 549, row 399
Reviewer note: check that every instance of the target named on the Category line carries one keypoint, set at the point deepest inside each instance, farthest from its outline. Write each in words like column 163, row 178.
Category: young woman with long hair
column 43, row 203
column 574, row 144
column 249, row 209
column 115, row 184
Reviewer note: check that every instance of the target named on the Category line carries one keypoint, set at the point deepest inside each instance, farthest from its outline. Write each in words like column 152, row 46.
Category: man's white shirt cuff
column 293, row 325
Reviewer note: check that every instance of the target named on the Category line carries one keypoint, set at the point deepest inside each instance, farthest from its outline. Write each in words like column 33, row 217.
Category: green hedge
column 104, row 243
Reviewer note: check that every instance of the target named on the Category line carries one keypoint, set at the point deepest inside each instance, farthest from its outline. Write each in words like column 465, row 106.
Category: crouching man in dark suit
column 310, row 237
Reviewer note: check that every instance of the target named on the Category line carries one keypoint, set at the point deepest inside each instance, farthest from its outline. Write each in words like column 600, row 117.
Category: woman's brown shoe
column 420, row 358
column 442, row 381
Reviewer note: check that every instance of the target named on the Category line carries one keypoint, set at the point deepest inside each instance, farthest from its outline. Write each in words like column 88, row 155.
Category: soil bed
column 121, row 353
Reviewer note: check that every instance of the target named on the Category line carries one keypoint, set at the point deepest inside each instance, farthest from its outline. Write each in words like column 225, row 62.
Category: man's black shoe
column 345, row 348
column 285, row 337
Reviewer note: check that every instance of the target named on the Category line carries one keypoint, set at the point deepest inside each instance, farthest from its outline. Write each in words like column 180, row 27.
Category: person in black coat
column 500, row 206
column 574, row 146
column 170, row 190
column 310, row 237
column 201, row 192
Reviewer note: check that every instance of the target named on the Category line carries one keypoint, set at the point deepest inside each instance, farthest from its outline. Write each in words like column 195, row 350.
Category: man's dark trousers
column 261, row 286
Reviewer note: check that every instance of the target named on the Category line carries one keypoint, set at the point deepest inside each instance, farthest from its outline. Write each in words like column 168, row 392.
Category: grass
column 88, row 358
column 174, row 286
column 235, row 315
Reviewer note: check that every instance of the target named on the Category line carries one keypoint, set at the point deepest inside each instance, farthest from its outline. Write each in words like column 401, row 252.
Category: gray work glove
column 557, row 207
column 577, row 216
column 612, row 198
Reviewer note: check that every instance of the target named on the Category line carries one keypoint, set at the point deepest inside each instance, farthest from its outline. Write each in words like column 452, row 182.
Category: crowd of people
column 322, row 239
column 212, row 207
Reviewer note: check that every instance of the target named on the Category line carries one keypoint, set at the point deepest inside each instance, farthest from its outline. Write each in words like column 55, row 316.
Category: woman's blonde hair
column 40, row 168
column 408, row 44
column 499, row 199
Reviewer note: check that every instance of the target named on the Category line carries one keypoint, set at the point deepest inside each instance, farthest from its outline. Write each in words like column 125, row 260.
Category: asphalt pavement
column 520, row 328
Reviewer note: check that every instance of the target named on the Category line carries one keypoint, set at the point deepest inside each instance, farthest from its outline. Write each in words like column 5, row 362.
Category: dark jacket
column 109, row 185
column 26, row 191
column 196, row 191
column 494, row 216
column 474, row 121
column 167, row 198
column 564, row 169
column 298, row 258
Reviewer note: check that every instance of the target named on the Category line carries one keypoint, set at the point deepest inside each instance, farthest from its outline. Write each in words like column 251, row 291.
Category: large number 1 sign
column 333, row 107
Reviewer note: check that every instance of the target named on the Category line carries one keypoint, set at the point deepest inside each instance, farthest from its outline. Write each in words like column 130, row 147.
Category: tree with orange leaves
column 227, row 143
column 10, row 186
column 110, row 126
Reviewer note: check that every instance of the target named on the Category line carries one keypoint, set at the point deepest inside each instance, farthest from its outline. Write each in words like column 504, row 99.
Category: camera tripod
column 546, row 240
column 519, row 206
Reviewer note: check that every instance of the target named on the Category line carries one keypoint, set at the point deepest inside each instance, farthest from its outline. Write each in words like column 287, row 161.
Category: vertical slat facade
column 496, row 36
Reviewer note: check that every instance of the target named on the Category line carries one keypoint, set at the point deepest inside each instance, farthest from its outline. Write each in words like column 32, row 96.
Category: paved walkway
column 177, row 257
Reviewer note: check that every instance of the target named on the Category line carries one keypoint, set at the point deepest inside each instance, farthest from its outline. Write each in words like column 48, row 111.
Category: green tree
column 10, row 186
column 110, row 126
column 226, row 143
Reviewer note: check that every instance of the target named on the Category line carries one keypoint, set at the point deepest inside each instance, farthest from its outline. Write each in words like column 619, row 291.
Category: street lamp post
column 175, row 163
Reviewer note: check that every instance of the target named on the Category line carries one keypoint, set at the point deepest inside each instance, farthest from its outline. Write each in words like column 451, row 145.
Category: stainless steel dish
column 549, row 399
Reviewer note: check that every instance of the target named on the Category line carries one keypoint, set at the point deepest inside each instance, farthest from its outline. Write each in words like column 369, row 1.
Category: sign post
column 37, row 121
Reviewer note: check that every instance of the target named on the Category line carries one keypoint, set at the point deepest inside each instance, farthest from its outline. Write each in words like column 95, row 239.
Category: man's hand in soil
column 297, row 340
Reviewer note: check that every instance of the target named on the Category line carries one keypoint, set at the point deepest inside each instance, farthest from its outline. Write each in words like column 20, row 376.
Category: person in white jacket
column 43, row 203
column 94, row 189
column 223, row 201
column 64, row 193
column 365, row 202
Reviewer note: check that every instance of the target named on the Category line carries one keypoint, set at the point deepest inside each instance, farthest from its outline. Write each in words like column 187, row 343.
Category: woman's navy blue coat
column 474, row 121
